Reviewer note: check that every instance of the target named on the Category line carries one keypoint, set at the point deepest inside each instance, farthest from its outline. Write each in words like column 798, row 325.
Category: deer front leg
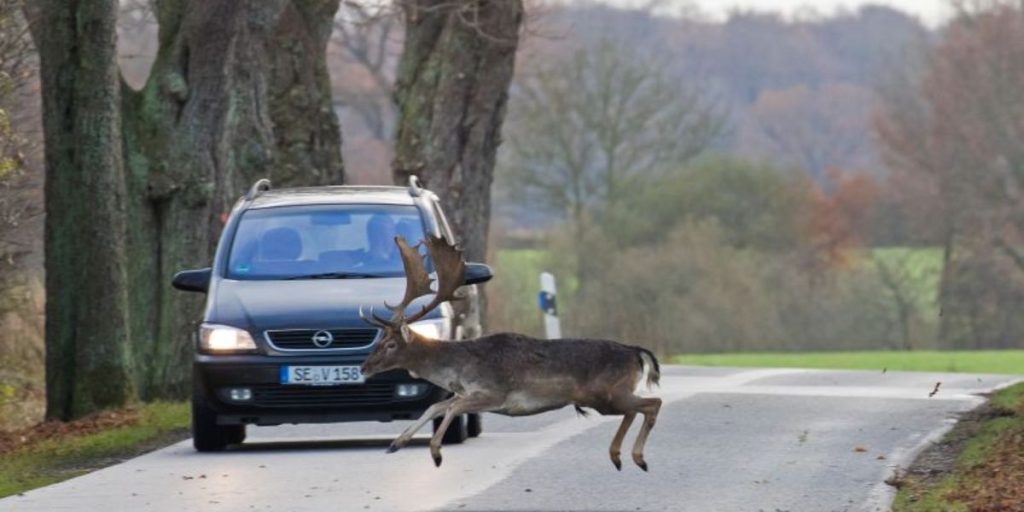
column 460, row 405
column 627, row 420
column 649, row 407
column 432, row 412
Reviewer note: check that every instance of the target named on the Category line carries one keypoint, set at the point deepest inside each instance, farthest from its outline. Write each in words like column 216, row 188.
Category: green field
column 920, row 267
column 982, row 361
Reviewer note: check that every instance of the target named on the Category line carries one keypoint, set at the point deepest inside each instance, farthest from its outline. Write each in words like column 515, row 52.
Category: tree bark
column 138, row 182
column 87, row 326
column 451, row 92
column 239, row 91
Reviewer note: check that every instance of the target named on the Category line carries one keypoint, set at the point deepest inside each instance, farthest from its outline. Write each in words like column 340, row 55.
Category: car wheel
column 457, row 431
column 207, row 435
column 475, row 425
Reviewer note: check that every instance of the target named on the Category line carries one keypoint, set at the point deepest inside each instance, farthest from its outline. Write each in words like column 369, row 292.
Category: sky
column 931, row 12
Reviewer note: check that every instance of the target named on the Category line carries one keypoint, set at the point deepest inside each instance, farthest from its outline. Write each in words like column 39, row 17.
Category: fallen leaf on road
column 880, row 457
column 936, row 390
column 859, row 449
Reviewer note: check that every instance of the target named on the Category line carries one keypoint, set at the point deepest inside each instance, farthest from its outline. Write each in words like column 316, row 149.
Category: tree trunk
column 239, row 91
column 87, row 327
column 945, row 284
column 451, row 92
column 138, row 182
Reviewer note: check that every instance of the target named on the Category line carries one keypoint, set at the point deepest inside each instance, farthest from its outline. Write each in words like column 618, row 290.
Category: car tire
column 475, row 425
column 234, row 434
column 458, row 430
column 207, row 435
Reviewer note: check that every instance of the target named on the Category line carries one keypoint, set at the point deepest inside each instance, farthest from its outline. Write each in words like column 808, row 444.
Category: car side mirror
column 192, row 280
column 477, row 273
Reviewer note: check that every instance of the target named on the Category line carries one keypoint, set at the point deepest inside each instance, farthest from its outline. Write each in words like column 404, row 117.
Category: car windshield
column 322, row 242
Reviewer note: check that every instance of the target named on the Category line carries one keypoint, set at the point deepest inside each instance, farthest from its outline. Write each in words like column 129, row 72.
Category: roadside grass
column 979, row 465
column 76, row 448
column 979, row 361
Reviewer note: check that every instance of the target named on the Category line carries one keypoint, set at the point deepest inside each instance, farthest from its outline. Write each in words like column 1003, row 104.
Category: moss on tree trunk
column 451, row 92
column 238, row 91
column 87, row 362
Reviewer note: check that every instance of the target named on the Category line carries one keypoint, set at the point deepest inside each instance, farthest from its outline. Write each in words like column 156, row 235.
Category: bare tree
column 585, row 129
column 368, row 32
column 958, row 142
column 816, row 129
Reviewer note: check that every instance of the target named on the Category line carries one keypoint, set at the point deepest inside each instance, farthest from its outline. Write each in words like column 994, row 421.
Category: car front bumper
column 273, row 403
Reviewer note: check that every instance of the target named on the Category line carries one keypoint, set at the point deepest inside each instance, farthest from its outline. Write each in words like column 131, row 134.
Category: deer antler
column 417, row 281
column 448, row 264
column 451, row 273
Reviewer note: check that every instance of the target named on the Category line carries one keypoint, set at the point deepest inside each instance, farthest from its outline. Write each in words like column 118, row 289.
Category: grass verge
column 979, row 465
column 981, row 361
column 52, row 451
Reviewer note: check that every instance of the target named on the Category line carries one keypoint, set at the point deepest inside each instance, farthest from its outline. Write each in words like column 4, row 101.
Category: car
column 282, row 338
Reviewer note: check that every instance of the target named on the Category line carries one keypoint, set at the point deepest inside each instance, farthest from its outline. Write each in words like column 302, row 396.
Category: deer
column 506, row 373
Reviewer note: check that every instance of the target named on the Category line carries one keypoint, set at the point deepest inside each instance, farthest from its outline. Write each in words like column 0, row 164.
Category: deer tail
column 650, row 366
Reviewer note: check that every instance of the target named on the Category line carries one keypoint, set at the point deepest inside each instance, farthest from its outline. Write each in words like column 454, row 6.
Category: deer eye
column 391, row 345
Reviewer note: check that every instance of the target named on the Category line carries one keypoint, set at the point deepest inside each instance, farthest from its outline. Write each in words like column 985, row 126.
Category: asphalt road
column 727, row 439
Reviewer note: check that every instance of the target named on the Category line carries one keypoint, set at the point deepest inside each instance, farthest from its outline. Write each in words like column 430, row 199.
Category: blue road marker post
column 549, row 306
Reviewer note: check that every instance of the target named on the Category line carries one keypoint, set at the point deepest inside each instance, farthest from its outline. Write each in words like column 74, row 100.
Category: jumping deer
column 508, row 374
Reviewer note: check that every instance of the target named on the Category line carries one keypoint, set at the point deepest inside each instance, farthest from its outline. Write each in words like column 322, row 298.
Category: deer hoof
column 618, row 464
column 393, row 448
column 437, row 460
column 642, row 464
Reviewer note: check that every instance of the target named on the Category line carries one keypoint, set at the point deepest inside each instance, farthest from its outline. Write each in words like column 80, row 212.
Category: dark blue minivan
column 281, row 340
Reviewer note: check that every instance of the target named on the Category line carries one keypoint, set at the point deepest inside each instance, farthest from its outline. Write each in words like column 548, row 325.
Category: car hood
column 306, row 303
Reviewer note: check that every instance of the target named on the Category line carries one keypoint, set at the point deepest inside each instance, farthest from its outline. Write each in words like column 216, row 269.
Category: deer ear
column 406, row 333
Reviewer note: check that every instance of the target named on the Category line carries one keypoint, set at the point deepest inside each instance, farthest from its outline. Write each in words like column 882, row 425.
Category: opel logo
column 323, row 339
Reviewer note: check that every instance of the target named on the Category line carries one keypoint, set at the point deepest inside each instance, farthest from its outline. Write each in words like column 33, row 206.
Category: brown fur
column 507, row 373
column 517, row 375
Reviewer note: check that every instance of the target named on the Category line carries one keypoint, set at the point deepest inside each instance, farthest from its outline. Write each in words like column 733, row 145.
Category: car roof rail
column 415, row 190
column 257, row 188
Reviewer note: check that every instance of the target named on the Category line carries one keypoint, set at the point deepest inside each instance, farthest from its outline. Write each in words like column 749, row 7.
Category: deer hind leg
column 460, row 405
column 649, row 407
column 432, row 412
column 615, row 449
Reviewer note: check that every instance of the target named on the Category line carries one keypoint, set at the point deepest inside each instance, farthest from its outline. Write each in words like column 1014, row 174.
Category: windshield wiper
column 336, row 275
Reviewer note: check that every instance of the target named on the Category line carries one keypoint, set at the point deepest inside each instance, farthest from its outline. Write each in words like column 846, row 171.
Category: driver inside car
column 381, row 253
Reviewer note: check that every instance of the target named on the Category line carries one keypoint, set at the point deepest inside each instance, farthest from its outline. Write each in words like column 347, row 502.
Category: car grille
column 276, row 395
column 302, row 339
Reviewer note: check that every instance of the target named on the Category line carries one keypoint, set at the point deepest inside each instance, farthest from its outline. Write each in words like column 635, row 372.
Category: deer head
column 393, row 348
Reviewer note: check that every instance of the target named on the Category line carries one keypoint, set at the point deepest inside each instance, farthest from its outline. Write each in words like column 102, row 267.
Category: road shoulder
column 978, row 465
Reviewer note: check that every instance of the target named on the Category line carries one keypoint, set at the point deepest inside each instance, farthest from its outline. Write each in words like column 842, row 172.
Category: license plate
column 321, row 375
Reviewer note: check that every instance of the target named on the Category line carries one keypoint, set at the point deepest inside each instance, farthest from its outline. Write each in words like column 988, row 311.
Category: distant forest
column 797, row 94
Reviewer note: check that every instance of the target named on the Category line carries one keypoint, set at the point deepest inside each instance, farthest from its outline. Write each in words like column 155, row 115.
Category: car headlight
column 436, row 328
column 223, row 339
